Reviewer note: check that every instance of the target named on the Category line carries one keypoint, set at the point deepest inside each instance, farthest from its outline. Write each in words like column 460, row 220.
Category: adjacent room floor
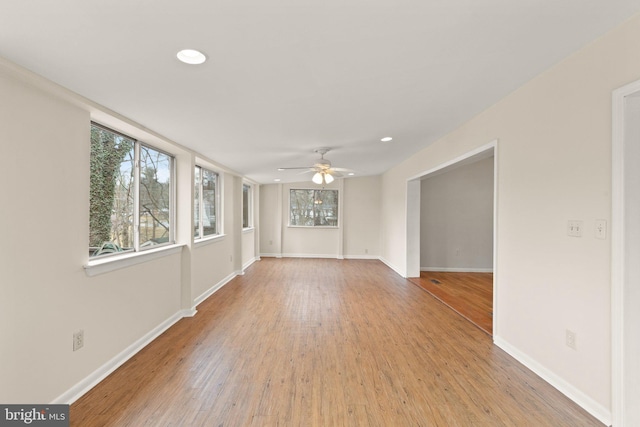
column 469, row 294
column 318, row 342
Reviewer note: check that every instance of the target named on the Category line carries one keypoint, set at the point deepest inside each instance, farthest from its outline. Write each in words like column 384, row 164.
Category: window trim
column 250, row 225
column 100, row 265
column 172, row 197
column 315, row 227
column 219, row 233
column 137, row 249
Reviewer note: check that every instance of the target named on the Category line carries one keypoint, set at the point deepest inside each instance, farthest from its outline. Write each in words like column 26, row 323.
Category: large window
column 131, row 194
column 247, row 206
column 205, row 206
column 313, row 208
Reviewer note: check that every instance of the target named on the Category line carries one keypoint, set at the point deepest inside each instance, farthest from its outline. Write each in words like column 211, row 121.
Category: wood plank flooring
column 469, row 294
column 311, row 342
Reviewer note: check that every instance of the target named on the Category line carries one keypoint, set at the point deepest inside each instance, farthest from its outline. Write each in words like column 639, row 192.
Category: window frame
column 249, row 207
column 137, row 248
column 315, row 226
column 217, row 207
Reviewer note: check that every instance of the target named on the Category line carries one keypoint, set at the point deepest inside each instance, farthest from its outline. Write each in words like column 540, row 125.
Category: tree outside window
column 246, row 206
column 205, row 206
column 313, row 208
column 129, row 208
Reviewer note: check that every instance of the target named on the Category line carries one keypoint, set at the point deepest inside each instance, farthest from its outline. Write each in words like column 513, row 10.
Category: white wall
column 456, row 219
column 554, row 165
column 250, row 236
column 356, row 237
column 270, row 227
column 362, row 217
column 46, row 293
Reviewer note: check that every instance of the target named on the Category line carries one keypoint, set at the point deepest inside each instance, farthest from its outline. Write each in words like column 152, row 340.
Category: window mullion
column 136, row 197
column 172, row 202
column 201, row 205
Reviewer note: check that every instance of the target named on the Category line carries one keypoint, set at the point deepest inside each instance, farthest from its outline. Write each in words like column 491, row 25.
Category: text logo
column 34, row 415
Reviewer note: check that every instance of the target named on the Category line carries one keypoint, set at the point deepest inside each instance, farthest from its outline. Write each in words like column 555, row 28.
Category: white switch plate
column 601, row 229
column 574, row 228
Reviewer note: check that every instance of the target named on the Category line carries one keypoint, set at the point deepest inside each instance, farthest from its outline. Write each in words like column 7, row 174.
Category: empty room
column 222, row 213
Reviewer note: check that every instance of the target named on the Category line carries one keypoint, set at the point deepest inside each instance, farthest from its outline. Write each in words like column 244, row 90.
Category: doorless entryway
column 625, row 252
column 414, row 206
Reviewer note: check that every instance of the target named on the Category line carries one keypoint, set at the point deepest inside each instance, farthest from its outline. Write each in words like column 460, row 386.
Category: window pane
column 111, row 192
column 301, row 207
column 155, row 196
column 196, row 204
column 209, row 214
column 326, row 207
column 245, row 205
column 309, row 208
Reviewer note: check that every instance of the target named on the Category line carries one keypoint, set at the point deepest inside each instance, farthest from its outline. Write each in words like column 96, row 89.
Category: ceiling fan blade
column 301, row 167
column 309, row 170
column 342, row 169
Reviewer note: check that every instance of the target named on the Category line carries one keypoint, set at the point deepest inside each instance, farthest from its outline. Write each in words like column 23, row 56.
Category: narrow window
column 247, row 206
column 206, row 206
column 313, row 208
column 130, row 208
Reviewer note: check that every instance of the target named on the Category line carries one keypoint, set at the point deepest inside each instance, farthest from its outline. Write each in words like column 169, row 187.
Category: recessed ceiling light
column 191, row 56
column 277, row 180
column 386, row 139
column 280, row 169
column 351, row 174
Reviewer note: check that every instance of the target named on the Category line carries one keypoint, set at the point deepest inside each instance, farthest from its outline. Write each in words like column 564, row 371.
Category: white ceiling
column 284, row 77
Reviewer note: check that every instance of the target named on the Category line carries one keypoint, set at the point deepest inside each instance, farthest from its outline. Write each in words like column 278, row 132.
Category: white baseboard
column 587, row 403
column 324, row 256
column 75, row 392
column 458, row 269
column 214, row 288
column 271, row 255
column 248, row 263
column 402, row 273
column 361, row 257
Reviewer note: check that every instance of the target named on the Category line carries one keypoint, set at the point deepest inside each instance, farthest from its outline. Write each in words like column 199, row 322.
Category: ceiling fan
column 324, row 173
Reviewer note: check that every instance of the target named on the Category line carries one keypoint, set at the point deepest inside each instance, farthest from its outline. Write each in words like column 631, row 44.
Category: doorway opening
column 625, row 250
column 451, row 234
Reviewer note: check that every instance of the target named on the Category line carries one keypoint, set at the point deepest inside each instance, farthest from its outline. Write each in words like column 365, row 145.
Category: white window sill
column 208, row 240
column 315, row 227
column 104, row 265
column 248, row 230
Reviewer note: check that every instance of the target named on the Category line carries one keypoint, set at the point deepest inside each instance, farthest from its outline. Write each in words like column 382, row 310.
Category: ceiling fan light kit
column 324, row 173
column 322, row 178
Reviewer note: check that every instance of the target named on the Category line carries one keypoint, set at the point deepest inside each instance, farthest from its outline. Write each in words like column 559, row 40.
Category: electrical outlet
column 571, row 339
column 601, row 229
column 78, row 340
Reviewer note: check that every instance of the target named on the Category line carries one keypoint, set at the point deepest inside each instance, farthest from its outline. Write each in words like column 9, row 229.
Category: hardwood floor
column 303, row 342
column 469, row 294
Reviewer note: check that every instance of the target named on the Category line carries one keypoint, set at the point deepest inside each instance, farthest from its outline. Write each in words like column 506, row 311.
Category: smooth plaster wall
column 248, row 246
column 307, row 241
column 554, row 165
column 359, row 229
column 362, row 217
column 270, row 227
column 456, row 219
column 46, row 294
column 213, row 259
